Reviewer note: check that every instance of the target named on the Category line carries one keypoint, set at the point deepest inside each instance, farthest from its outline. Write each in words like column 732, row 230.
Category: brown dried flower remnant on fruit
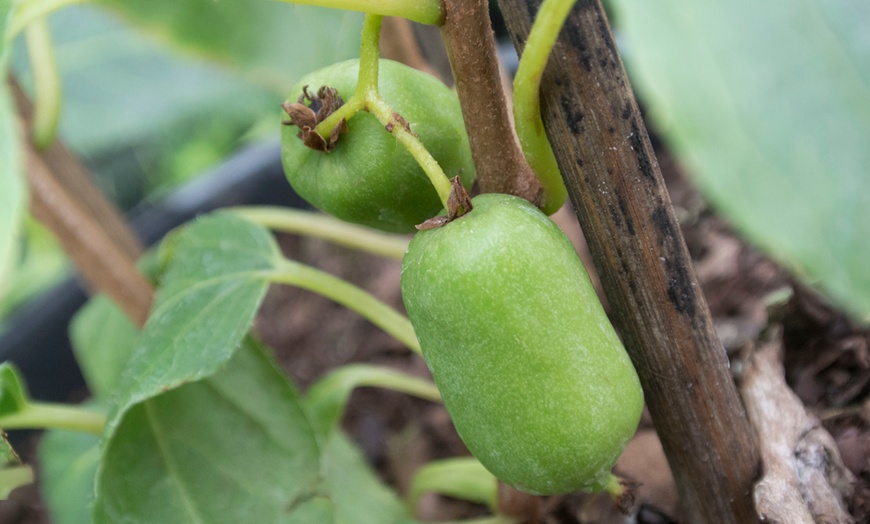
column 458, row 204
column 306, row 117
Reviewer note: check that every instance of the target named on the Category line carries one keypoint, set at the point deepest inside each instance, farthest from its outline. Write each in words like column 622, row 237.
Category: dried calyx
column 458, row 204
column 306, row 117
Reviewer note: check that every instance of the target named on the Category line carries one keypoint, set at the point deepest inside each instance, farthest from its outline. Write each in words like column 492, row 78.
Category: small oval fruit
column 369, row 178
column 532, row 373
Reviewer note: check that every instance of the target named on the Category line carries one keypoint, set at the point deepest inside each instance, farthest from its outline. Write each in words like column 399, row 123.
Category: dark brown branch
column 501, row 166
column 614, row 182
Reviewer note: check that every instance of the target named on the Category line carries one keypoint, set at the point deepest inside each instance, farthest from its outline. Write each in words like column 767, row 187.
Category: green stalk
column 527, row 102
column 28, row 11
column 353, row 376
column 354, row 105
column 367, row 79
column 387, row 116
column 369, row 56
column 427, row 12
column 328, row 228
column 378, row 313
column 614, row 486
column 43, row 415
column 46, row 81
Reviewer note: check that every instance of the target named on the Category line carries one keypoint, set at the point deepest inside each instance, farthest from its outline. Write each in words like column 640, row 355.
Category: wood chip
column 804, row 478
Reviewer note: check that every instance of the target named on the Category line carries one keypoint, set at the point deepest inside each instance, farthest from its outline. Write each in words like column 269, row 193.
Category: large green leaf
column 68, row 468
column 235, row 447
column 768, row 104
column 12, row 191
column 225, row 438
column 103, row 338
column 273, row 42
column 210, row 290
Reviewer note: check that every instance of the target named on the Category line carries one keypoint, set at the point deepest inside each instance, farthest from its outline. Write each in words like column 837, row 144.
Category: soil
column 753, row 301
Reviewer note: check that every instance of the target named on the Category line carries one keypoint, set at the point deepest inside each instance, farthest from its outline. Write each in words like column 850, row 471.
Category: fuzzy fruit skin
column 370, row 178
column 532, row 373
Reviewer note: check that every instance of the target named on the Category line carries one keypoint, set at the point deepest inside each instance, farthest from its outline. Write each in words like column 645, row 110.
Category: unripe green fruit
column 369, row 178
column 532, row 373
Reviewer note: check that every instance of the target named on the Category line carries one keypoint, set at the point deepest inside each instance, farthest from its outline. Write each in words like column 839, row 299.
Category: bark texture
column 616, row 187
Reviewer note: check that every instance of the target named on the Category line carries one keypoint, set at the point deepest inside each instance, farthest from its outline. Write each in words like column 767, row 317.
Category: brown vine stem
column 88, row 227
column 103, row 263
column 77, row 181
column 614, row 181
column 501, row 166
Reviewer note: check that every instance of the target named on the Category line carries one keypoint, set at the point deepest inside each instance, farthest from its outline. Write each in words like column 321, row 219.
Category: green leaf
column 208, row 295
column 317, row 509
column 103, row 339
column 768, row 104
column 68, row 463
column 463, row 478
column 13, row 394
column 236, row 447
column 327, row 398
column 274, row 43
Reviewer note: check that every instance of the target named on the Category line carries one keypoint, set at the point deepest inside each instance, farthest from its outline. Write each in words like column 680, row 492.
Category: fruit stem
column 527, row 102
column 326, row 227
column 401, row 129
column 429, row 12
column 369, row 375
column 46, row 82
column 614, row 487
column 367, row 97
column 369, row 55
column 44, row 415
column 367, row 77
column 378, row 313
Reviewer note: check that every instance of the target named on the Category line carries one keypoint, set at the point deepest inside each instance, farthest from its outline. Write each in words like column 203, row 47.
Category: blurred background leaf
column 768, row 106
column 155, row 92
column 68, row 463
